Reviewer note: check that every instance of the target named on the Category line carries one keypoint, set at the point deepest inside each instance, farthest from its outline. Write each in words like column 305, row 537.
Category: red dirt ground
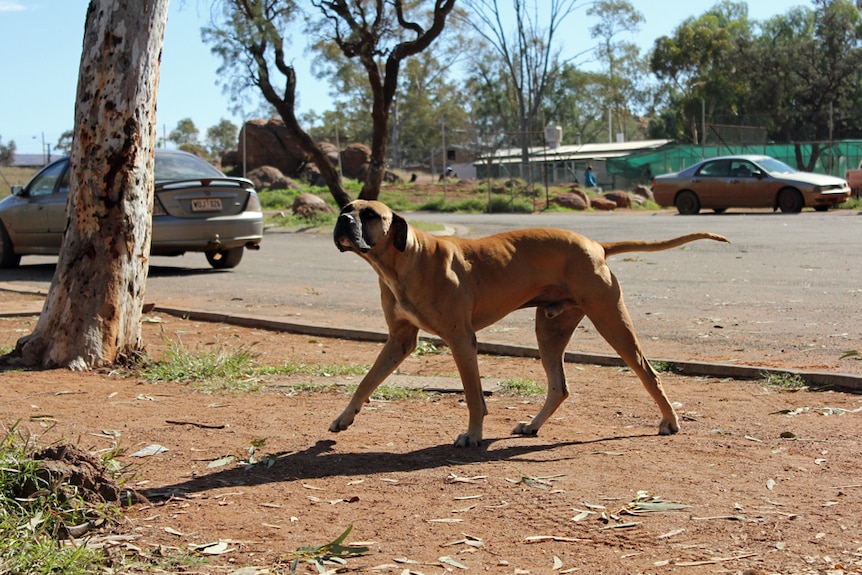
column 767, row 491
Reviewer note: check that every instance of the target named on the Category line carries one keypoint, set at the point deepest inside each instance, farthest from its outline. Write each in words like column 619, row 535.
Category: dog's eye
column 369, row 214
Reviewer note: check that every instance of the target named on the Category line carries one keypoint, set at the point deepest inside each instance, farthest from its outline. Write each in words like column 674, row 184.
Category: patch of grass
column 664, row 366
column 522, row 386
column 211, row 370
column 15, row 176
column 425, row 347
column 784, row 381
column 236, row 371
column 35, row 510
column 6, row 349
column 315, row 369
column 391, row 392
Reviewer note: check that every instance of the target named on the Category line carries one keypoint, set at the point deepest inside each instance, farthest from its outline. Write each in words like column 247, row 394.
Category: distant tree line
column 796, row 75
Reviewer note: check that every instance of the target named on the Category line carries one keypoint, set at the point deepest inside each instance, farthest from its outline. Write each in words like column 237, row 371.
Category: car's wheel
column 225, row 259
column 8, row 257
column 687, row 203
column 790, row 201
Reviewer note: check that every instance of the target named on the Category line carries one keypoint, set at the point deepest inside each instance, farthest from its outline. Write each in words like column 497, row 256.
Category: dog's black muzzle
column 348, row 234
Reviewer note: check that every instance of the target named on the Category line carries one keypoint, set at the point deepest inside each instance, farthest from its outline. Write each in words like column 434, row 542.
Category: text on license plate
column 206, row 205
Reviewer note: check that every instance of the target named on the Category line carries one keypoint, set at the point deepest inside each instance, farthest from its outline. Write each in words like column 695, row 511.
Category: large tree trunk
column 93, row 310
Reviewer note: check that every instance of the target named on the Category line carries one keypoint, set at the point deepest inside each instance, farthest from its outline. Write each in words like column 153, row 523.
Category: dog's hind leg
column 611, row 319
column 553, row 335
column 402, row 340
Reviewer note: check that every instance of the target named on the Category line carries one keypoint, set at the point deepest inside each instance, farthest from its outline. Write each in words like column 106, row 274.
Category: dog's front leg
column 402, row 340
column 464, row 350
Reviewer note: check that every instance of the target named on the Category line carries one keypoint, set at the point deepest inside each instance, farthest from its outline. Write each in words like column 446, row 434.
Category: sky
column 40, row 43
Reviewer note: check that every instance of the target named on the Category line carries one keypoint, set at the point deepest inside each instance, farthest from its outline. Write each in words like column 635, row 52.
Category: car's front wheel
column 225, row 259
column 8, row 257
column 687, row 203
column 790, row 201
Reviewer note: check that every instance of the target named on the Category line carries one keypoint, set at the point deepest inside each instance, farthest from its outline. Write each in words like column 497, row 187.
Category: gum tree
column 252, row 40
column 92, row 315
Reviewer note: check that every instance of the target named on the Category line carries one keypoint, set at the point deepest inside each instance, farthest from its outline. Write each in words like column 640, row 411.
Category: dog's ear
column 398, row 228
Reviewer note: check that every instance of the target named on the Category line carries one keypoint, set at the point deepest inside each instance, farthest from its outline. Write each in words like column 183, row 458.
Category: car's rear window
column 182, row 167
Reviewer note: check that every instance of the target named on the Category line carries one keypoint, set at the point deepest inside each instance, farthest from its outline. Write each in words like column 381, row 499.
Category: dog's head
column 364, row 225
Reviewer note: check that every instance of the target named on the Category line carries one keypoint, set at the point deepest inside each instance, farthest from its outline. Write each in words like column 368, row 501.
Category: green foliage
column 231, row 370
column 211, row 370
column 522, row 386
column 664, row 366
column 221, row 137
column 34, row 510
column 7, row 152
column 332, row 552
column 784, row 381
column 315, row 369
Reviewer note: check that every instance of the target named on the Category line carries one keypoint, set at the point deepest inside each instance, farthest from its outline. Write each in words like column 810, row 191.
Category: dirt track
column 770, row 480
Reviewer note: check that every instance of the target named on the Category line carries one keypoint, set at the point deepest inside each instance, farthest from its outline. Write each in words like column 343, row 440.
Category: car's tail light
column 158, row 210
column 253, row 204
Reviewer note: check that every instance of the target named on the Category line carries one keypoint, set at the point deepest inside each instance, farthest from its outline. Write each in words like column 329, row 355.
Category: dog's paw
column 467, row 440
column 342, row 422
column 523, row 428
column 668, row 428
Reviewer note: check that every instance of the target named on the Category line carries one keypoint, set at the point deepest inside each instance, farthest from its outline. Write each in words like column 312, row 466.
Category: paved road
column 787, row 291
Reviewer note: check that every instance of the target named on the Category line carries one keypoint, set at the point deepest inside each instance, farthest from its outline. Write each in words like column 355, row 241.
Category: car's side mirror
column 17, row 190
column 758, row 174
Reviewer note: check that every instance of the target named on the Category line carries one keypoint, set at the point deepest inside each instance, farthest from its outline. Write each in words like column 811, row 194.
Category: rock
column 644, row 192
column 268, row 143
column 602, row 203
column 271, row 178
column 309, row 205
column 572, row 201
column 354, row 161
column 620, row 198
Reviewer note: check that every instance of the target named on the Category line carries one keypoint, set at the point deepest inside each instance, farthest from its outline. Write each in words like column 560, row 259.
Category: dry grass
column 13, row 176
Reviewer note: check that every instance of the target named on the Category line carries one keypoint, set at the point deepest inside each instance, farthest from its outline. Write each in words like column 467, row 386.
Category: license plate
column 206, row 205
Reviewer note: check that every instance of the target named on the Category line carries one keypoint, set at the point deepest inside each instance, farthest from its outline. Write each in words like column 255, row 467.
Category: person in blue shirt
column 589, row 178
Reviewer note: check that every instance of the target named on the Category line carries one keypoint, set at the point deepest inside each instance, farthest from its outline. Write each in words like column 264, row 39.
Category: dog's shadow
column 320, row 460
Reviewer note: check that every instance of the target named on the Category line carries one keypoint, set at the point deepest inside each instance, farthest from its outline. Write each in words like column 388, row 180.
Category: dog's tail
column 613, row 248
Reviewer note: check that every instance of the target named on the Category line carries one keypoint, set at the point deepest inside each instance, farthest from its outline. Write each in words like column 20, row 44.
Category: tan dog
column 453, row 287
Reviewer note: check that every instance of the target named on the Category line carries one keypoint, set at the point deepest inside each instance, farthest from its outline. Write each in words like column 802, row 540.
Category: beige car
column 747, row 182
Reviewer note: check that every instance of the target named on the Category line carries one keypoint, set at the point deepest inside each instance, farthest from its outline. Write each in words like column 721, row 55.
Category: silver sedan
column 196, row 209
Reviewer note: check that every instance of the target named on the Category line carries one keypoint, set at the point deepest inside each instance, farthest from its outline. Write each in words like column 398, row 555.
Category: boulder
column 268, row 177
column 268, row 143
column 354, row 161
column 572, row 201
column 620, row 198
column 602, row 203
column 309, row 205
column 644, row 192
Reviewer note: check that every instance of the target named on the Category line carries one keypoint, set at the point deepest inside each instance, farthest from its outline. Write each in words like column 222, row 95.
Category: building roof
column 575, row 152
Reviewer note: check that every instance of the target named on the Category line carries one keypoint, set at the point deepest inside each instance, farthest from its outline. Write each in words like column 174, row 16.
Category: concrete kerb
column 817, row 379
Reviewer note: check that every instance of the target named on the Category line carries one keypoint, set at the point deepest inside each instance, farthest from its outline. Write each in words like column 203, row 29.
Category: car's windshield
column 774, row 166
column 183, row 167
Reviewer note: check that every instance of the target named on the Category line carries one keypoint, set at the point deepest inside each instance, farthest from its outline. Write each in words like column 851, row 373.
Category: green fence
column 835, row 158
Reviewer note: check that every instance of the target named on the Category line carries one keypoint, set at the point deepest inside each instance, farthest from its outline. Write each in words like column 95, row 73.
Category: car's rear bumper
column 175, row 235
